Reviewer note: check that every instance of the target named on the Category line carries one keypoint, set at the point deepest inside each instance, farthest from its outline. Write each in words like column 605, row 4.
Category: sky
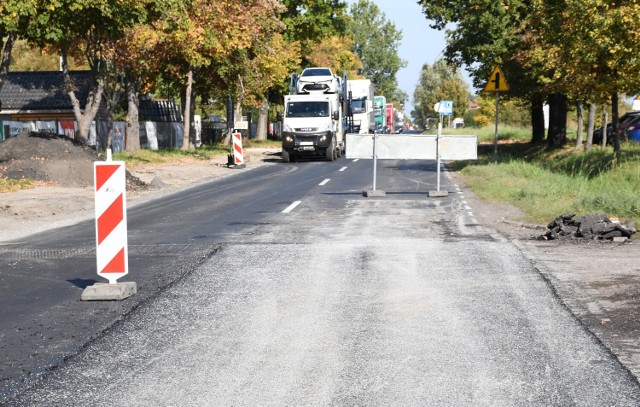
column 420, row 43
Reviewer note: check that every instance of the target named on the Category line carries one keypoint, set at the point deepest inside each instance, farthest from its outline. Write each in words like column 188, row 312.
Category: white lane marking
column 356, row 159
column 292, row 206
column 325, row 182
column 342, row 169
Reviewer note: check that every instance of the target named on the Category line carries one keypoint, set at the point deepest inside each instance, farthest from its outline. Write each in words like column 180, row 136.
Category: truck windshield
column 358, row 105
column 307, row 109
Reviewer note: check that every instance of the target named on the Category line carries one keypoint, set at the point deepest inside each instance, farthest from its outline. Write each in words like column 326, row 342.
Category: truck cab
column 312, row 126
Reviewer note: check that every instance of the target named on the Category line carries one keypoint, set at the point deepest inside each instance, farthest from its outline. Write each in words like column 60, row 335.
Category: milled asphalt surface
column 382, row 302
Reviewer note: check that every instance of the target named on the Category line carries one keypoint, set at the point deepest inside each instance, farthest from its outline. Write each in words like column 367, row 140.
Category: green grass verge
column 487, row 134
column 545, row 184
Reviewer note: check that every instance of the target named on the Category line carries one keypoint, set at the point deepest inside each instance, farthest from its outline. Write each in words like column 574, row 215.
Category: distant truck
column 361, row 95
column 379, row 103
column 390, row 112
column 312, row 126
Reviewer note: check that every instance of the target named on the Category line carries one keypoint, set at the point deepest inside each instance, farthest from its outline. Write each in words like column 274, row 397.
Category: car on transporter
column 318, row 80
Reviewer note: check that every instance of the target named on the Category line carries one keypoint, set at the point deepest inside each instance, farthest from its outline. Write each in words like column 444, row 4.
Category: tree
column 27, row 58
column 14, row 17
column 376, row 42
column 83, row 27
column 310, row 21
column 199, row 40
column 437, row 82
column 335, row 52
column 489, row 33
column 593, row 58
column 263, row 67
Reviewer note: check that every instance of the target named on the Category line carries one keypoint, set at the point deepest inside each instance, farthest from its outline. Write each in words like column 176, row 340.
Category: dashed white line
column 356, row 159
column 292, row 206
column 325, row 182
column 342, row 169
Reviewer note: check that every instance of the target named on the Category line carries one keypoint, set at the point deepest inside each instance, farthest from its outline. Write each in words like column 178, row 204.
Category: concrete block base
column 438, row 194
column 109, row 292
column 376, row 193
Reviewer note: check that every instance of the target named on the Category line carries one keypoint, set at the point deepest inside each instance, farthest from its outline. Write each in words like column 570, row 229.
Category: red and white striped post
column 237, row 150
column 111, row 232
column 111, row 219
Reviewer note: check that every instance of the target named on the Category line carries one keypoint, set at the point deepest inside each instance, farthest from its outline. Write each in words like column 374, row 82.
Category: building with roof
column 41, row 95
column 38, row 100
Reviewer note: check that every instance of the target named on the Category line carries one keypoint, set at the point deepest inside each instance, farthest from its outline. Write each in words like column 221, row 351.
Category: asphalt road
column 283, row 285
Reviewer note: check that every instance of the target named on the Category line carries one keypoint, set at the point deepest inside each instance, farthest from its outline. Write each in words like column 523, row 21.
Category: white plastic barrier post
column 111, row 232
column 237, row 151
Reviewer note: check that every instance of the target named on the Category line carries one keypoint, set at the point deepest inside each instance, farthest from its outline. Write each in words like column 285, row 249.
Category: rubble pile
column 595, row 226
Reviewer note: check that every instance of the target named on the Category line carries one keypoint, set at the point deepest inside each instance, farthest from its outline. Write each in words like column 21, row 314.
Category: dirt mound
column 49, row 158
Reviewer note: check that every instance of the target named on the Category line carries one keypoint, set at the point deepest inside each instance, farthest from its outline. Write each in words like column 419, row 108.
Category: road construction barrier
column 237, row 149
column 411, row 147
column 111, row 219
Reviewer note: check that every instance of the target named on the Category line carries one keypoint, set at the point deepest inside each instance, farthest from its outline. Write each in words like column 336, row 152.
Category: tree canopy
column 558, row 50
column 440, row 81
column 375, row 42
column 243, row 49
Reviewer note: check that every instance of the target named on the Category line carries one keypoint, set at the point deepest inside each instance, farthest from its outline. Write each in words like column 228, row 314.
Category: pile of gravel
column 47, row 157
column 53, row 159
column 595, row 226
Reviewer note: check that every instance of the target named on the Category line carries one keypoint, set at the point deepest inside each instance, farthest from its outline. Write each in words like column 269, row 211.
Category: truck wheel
column 286, row 157
column 330, row 153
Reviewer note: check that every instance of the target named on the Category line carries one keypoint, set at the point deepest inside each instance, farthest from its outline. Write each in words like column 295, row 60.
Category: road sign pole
column 438, row 153
column 497, row 83
column 375, row 159
column 495, row 136
column 374, row 192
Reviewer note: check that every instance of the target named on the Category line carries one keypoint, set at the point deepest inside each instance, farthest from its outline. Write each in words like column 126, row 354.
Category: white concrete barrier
column 412, row 147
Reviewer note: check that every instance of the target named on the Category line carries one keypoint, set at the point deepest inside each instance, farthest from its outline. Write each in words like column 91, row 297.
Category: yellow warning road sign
column 496, row 82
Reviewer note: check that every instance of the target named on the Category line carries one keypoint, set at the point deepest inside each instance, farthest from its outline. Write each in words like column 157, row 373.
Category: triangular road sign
column 496, row 82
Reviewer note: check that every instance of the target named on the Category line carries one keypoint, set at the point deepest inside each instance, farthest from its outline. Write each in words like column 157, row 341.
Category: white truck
column 312, row 126
column 361, row 92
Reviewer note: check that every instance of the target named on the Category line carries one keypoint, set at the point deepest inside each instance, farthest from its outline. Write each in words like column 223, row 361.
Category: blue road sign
column 446, row 107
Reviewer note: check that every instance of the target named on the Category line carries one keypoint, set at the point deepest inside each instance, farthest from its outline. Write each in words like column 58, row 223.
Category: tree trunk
column 605, row 124
column 580, row 119
column 6, row 56
column 591, row 122
column 263, row 121
column 84, row 118
column 111, row 94
column 557, row 136
column 537, row 119
column 186, row 138
column 133, row 112
column 614, row 120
